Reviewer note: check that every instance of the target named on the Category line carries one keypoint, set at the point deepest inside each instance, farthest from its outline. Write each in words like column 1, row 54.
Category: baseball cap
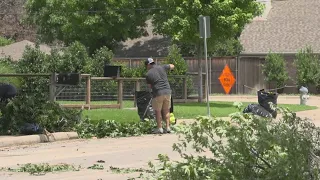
column 149, row 61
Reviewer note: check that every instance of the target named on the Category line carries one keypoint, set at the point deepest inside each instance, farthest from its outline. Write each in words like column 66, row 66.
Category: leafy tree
column 73, row 59
column 179, row 19
column 275, row 70
column 34, row 61
column 94, row 23
column 175, row 57
column 101, row 57
column 230, row 47
column 181, row 68
column 307, row 64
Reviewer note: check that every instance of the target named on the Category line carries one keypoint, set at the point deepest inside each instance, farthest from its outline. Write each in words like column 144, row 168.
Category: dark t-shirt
column 157, row 77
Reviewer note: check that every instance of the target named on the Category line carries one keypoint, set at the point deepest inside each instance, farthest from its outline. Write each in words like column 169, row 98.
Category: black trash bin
column 145, row 110
column 144, row 104
column 264, row 99
column 264, row 109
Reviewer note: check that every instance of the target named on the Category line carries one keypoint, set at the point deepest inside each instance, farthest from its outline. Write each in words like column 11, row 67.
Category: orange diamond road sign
column 227, row 79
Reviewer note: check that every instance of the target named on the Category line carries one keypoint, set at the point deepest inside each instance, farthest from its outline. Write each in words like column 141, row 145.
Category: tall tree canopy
column 94, row 23
column 179, row 19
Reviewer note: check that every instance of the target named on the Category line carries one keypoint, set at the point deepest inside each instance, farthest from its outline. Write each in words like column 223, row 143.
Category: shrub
column 181, row 68
column 245, row 147
column 101, row 57
column 5, row 42
column 307, row 65
column 29, row 109
column 138, row 72
column 34, row 61
column 31, row 105
column 74, row 59
column 174, row 57
column 275, row 70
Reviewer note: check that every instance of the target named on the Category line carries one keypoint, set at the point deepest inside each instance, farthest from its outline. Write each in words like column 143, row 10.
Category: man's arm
column 169, row 67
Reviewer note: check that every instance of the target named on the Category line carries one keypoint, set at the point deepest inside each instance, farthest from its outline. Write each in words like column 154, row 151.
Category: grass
column 181, row 111
column 7, row 68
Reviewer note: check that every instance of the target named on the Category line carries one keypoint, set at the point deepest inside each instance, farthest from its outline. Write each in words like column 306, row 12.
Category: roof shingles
column 290, row 26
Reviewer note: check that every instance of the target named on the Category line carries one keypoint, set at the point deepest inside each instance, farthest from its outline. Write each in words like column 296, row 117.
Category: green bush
column 275, row 70
column 137, row 72
column 34, row 61
column 30, row 109
column 73, row 58
column 245, row 147
column 5, row 42
column 101, row 57
column 181, row 68
column 308, row 68
column 31, row 105
column 229, row 47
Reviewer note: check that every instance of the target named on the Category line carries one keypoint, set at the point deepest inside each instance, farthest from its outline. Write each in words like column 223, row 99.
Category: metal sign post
column 205, row 33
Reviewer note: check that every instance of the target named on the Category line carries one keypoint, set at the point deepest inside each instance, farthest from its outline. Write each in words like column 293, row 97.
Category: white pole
column 206, row 56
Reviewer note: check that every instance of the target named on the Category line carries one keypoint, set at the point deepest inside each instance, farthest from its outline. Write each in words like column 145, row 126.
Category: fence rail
column 105, row 92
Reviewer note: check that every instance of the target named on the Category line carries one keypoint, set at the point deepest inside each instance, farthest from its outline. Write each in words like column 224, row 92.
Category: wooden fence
column 216, row 66
column 105, row 92
column 247, row 70
column 118, row 94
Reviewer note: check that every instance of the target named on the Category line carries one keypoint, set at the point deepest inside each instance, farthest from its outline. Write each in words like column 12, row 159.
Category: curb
column 39, row 138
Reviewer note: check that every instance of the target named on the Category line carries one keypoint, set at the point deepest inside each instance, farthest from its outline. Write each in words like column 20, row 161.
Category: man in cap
column 157, row 80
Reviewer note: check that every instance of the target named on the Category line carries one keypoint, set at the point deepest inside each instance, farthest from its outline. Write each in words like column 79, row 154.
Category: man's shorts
column 161, row 102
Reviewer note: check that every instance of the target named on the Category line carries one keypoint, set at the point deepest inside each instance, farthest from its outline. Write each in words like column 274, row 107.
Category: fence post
column 120, row 93
column 185, row 95
column 205, row 87
column 200, row 88
column 137, row 88
column 52, row 88
column 210, row 75
column 88, row 90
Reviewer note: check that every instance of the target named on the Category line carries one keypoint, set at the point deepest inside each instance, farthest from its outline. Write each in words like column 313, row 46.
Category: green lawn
column 181, row 111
